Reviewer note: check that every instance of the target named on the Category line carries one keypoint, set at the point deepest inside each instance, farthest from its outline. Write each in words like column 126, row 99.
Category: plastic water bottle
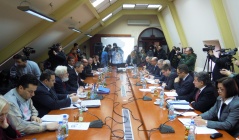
column 171, row 115
column 65, row 125
column 191, row 133
column 60, row 132
column 161, row 102
column 161, row 94
column 92, row 93
column 144, row 84
column 81, row 117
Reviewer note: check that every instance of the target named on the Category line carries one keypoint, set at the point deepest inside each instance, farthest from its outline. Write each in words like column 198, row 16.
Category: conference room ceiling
column 19, row 29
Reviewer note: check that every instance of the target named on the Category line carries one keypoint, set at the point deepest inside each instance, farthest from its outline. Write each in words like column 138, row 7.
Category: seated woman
column 131, row 59
column 6, row 131
column 224, row 114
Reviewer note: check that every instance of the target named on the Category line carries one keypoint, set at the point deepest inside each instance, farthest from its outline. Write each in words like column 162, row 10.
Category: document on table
column 198, row 130
column 145, row 90
column 171, row 94
column 91, row 103
column 53, row 118
column 186, row 113
column 178, row 102
column 183, row 107
column 78, row 125
column 70, row 107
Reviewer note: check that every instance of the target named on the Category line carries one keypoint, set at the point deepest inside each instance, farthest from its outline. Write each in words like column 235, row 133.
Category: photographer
column 56, row 56
column 189, row 59
column 223, row 62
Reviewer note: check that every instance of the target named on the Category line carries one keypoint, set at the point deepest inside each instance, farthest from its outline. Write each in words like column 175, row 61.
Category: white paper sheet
column 198, row 130
column 178, row 102
column 184, row 107
column 145, row 90
column 78, row 125
column 53, row 118
column 70, row 107
column 90, row 103
column 171, row 94
column 186, row 113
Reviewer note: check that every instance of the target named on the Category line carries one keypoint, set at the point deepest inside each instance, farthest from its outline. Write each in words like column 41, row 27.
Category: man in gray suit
column 224, row 114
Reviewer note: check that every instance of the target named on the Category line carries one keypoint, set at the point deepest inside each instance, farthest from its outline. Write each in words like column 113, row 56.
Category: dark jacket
column 95, row 66
column 74, row 79
column 184, row 87
column 170, row 81
column 205, row 100
column 130, row 62
column 56, row 60
column 86, row 72
column 62, row 87
column 160, row 54
column 45, row 100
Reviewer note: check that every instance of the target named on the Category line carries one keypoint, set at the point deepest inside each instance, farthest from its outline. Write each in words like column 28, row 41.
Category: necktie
column 222, row 107
column 197, row 94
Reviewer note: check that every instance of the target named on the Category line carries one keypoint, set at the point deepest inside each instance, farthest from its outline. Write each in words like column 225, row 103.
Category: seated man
column 203, row 97
column 96, row 63
column 87, row 71
column 169, row 76
column 23, row 115
column 183, row 84
column 46, row 99
column 159, row 76
column 74, row 77
column 61, row 86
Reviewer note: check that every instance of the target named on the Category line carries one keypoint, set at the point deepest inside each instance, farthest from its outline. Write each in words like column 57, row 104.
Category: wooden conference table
column 111, row 107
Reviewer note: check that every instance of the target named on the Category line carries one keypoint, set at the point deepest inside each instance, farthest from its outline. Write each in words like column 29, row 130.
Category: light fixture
column 88, row 35
column 74, row 29
column 151, row 6
column 97, row 2
column 108, row 16
column 35, row 13
column 128, row 6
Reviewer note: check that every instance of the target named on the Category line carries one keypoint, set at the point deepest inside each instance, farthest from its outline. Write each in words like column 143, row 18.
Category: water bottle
column 95, row 90
column 65, row 125
column 161, row 94
column 161, row 102
column 171, row 115
column 92, row 94
column 60, row 132
column 81, row 117
column 144, row 84
column 191, row 133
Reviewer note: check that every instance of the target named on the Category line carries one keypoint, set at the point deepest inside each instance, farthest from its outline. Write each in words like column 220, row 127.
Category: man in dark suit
column 183, row 84
column 159, row 76
column 87, row 71
column 155, row 69
column 169, row 76
column 61, row 86
column 74, row 77
column 204, row 95
column 46, row 99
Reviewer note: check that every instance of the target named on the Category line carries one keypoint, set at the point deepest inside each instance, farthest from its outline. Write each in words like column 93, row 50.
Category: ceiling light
column 160, row 7
column 88, row 35
column 154, row 6
column 108, row 16
column 74, row 29
column 128, row 6
column 35, row 13
column 97, row 2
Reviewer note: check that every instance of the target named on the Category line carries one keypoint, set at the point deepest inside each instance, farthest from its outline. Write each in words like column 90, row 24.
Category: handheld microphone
column 165, row 129
column 147, row 98
column 97, row 123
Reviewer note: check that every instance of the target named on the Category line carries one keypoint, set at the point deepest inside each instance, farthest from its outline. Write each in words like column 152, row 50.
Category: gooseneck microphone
column 147, row 98
column 164, row 129
column 97, row 123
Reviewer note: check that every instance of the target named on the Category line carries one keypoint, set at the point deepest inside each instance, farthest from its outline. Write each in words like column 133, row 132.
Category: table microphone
column 164, row 129
column 138, row 84
column 97, row 123
column 147, row 98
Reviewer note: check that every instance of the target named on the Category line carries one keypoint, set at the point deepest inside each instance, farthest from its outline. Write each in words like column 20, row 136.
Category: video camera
column 228, row 53
column 208, row 48
column 28, row 50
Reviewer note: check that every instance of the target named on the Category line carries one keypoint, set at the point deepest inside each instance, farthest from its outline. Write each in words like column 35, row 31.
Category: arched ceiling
column 19, row 29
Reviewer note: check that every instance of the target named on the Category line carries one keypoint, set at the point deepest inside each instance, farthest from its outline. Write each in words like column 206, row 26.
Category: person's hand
column 74, row 99
column 36, row 119
column 151, row 76
column 156, row 80
column 236, row 62
column 179, row 56
column 200, row 122
column 72, row 94
column 90, row 85
column 225, row 72
column 54, row 52
column 4, row 123
column 164, row 85
column 176, row 80
column 81, row 89
column 52, row 126
column 170, row 98
column 210, row 52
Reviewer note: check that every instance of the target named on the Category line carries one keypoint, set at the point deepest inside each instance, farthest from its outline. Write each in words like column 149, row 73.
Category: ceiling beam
column 38, row 30
column 92, row 9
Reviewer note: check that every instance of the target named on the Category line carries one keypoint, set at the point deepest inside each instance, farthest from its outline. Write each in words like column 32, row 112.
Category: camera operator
column 189, row 59
column 220, row 63
column 56, row 56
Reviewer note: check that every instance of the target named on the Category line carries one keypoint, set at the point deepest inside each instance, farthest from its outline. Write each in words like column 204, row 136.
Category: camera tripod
column 208, row 63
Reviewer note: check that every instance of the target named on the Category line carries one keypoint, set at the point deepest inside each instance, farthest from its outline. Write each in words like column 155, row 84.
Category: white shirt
column 226, row 102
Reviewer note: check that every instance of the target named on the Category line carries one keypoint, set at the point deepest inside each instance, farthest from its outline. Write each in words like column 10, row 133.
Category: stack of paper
column 178, row 102
column 91, row 103
column 145, row 90
column 182, row 107
column 53, row 118
column 199, row 130
column 171, row 94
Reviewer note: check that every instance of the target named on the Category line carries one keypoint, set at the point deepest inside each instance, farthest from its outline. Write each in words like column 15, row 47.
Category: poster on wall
column 124, row 47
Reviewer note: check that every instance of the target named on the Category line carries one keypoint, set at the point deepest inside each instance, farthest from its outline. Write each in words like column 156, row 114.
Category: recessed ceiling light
column 97, row 2
column 128, row 6
column 108, row 16
column 153, row 6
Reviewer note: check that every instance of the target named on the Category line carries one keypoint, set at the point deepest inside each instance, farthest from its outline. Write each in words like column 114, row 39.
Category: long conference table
column 144, row 115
